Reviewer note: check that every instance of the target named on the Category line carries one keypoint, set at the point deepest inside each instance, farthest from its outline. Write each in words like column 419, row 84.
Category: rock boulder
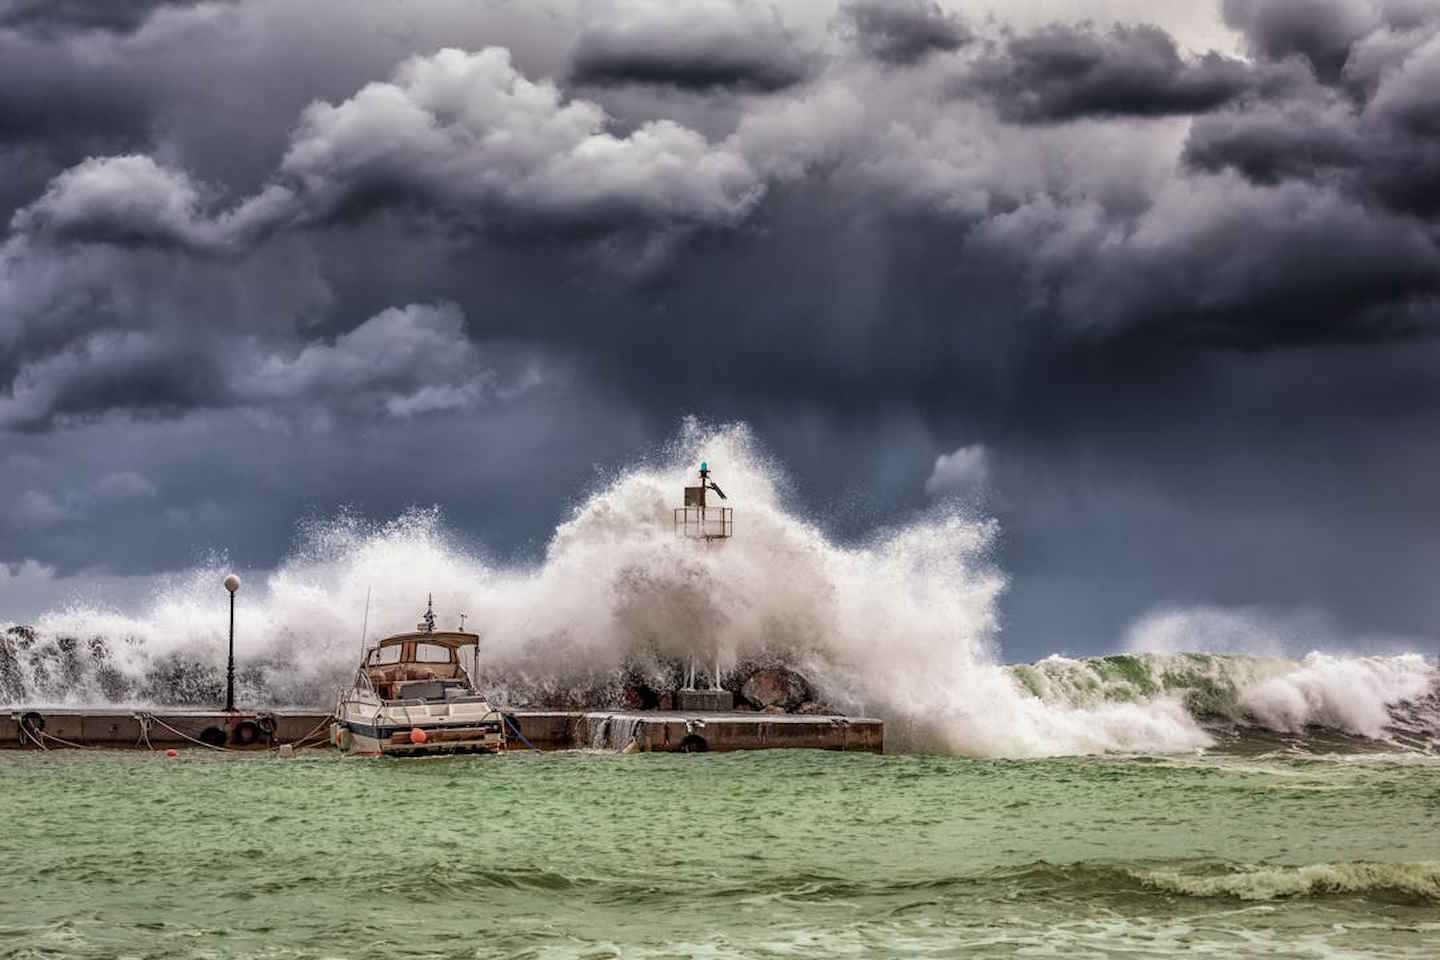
column 776, row 687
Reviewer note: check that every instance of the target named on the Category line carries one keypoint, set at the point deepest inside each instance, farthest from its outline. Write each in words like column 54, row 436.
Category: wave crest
column 1412, row 881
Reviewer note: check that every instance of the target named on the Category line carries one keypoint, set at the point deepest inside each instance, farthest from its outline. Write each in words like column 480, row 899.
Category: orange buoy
column 417, row 735
column 172, row 754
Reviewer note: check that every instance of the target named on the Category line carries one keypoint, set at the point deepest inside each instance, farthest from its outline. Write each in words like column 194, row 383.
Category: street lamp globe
column 232, row 583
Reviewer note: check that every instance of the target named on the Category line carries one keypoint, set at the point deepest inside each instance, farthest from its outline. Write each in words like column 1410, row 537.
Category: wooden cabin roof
column 445, row 638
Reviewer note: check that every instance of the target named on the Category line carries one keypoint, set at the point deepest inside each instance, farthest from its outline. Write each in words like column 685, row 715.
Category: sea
column 1245, row 791
column 784, row 854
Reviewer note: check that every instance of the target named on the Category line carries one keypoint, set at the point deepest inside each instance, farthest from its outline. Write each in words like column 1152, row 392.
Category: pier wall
column 638, row 731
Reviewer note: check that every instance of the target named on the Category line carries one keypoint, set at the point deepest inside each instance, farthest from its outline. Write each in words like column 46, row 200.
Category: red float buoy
column 417, row 735
column 172, row 754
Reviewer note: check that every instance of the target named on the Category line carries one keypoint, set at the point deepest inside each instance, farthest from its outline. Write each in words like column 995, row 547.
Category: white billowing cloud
column 403, row 362
column 134, row 201
column 412, row 360
column 109, row 363
column 962, row 473
column 118, row 199
column 463, row 134
column 468, row 133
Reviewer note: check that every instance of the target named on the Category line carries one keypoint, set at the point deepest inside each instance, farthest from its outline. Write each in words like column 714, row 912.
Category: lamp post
column 232, row 583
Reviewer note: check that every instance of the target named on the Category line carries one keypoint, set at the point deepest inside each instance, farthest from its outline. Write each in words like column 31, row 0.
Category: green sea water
column 779, row 854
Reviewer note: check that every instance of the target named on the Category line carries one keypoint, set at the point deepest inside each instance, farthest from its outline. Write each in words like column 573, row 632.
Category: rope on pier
column 37, row 736
column 313, row 731
column 29, row 732
column 186, row 736
column 77, row 746
column 516, row 727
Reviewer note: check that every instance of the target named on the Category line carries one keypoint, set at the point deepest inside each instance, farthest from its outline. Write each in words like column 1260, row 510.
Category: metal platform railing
column 704, row 523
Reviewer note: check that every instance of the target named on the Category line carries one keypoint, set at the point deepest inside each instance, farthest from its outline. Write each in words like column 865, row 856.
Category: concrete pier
column 167, row 728
column 631, row 731
column 677, row 731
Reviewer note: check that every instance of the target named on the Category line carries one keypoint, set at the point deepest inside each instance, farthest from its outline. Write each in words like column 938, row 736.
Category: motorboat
column 413, row 696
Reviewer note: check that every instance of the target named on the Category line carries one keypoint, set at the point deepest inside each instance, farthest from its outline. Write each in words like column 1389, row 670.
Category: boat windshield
column 416, row 669
column 383, row 655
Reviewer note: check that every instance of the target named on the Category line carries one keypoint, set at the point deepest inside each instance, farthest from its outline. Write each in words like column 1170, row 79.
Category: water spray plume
column 903, row 626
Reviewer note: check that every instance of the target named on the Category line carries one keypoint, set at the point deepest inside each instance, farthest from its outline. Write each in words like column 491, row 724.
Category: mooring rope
column 313, row 731
column 144, row 722
column 516, row 727
column 26, row 731
column 185, row 736
column 77, row 746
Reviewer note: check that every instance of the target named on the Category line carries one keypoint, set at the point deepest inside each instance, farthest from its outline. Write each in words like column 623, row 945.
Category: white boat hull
column 367, row 739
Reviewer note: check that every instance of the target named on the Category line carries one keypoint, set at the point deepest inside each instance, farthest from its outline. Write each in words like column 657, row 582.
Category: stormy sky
column 1156, row 284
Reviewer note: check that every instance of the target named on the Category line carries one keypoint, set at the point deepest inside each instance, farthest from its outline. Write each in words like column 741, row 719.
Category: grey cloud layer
column 338, row 219
column 981, row 142
column 1368, row 128
column 462, row 134
column 1063, row 73
column 403, row 362
column 902, row 31
column 703, row 45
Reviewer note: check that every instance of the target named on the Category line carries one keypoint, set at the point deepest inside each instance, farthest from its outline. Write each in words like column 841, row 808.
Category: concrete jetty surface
column 632, row 731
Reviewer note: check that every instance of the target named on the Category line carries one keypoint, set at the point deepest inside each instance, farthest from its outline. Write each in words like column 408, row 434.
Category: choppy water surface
column 778, row 854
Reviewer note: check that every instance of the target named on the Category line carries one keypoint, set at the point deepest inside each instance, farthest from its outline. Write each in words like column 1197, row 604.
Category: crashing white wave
column 1420, row 880
column 1353, row 694
column 1357, row 695
column 903, row 626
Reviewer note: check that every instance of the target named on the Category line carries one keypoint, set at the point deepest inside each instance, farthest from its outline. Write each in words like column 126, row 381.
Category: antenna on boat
column 427, row 622
column 365, row 624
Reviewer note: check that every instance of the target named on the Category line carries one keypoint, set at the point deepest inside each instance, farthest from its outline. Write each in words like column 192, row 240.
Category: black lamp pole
column 232, row 583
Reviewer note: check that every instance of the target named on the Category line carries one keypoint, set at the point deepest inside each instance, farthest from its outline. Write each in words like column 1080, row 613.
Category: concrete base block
column 704, row 701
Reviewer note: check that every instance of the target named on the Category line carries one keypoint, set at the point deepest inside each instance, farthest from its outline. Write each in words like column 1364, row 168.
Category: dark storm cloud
column 1274, row 143
column 53, row 94
column 1377, row 140
column 61, row 16
column 123, row 371
column 1225, row 264
column 463, row 135
column 260, row 253
column 1321, row 31
column 401, row 363
column 738, row 44
column 1063, row 73
column 902, row 31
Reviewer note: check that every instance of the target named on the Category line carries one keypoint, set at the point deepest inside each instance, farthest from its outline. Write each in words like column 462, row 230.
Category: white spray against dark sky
column 903, row 626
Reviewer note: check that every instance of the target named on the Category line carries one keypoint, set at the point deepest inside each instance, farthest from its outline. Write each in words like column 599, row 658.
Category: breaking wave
column 1410, row 881
column 903, row 626
column 1386, row 698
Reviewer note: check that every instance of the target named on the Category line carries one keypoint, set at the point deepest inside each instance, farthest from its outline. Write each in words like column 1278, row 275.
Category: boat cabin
column 420, row 666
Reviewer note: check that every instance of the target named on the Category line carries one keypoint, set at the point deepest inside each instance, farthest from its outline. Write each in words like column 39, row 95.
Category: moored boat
column 413, row 696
